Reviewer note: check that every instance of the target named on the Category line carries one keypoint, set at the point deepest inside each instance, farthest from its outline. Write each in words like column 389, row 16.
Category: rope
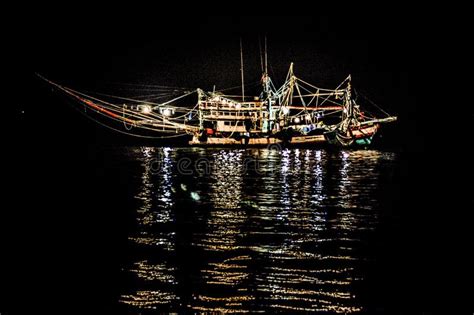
column 108, row 112
column 129, row 126
column 131, row 99
column 368, row 100
column 116, row 108
column 150, row 85
column 124, row 132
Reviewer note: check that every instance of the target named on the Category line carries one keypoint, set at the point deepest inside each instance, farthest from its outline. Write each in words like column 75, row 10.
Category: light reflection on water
column 283, row 233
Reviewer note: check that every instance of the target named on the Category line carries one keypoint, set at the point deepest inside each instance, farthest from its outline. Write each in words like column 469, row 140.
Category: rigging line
column 161, row 123
column 311, row 93
column 312, row 98
column 103, row 110
column 151, row 85
column 149, row 98
column 154, row 90
column 150, row 103
column 242, row 69
column 110, row 106
column 124, row 132
column 120, row 97
column 177, row 98
column 141, row 95
column 117, row 107
column 129, row 126
column 334, row 112
column 327, row 100
column 190, row 111
column 273, row 72
column 238, row 86
column 367, row 99
column 318, row 88
column 301, row 98
column 117, row 117
column 234, row 129
column 317, row 98
column 272, row 86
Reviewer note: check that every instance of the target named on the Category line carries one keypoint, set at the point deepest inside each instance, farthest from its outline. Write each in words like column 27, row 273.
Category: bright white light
column 285, row 110
column 146, row 109
column 297, row 120
column 166, row 111
column 237, row 106
column 195, row 196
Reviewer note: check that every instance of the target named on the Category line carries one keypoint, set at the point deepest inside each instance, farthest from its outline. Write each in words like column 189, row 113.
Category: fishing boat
column 297, row 113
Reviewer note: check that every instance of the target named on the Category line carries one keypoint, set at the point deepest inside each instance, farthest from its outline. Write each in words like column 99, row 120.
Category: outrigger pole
column 242, row 69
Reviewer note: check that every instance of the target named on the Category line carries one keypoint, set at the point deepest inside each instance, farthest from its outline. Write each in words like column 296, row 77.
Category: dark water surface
column 241, row 230
column 94, row 229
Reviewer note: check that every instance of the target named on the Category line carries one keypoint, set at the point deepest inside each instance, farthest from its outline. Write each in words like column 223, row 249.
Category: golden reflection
column 156, row 189
column 282, row 238
column 148, row 299
column 155, row 200
column 226, row 219
column 155, row 197
column 358, row 177
column 165, row 241
column 151, row 272
column 227, row 178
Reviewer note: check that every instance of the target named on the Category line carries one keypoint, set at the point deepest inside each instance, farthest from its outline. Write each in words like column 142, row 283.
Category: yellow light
column 146, row 109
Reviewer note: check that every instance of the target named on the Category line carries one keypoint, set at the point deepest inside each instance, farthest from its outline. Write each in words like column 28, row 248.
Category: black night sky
column 387, row 60
column 390, row 59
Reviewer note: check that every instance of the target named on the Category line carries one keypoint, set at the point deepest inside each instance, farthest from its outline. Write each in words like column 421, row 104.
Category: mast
column 267, row 95
column 266, row 56
column 265, row 78
column 349, row 116
column 201, row 96
column 242, row 69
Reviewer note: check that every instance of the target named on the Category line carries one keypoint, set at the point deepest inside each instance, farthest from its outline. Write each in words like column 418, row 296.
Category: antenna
column 242, row 69
column 266, row 56
column 261, row 53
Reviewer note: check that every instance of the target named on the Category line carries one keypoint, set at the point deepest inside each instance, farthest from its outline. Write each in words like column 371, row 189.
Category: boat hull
column 360, row 136
column 261, row 141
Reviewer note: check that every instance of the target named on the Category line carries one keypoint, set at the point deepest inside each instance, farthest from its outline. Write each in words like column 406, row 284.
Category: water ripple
column 253, row 230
